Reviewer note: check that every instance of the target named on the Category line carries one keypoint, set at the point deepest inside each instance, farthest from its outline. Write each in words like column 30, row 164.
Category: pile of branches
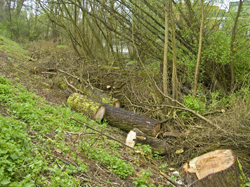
column 191, row 134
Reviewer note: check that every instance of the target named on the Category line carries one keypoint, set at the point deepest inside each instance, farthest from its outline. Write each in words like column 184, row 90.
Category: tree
column 174, row 66
column 165, row 62
column 232, row 45
column 199, row 51
column 98, row 29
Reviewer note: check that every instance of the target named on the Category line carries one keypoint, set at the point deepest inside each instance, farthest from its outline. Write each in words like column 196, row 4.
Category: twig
column 173, row 100
column 51, row 73
column 101, row 133
column 164, row 175
column 168, row 178
column 76, row 90
column 81, row 79
column 165, row 120
column 89, row 82
column 69, row 74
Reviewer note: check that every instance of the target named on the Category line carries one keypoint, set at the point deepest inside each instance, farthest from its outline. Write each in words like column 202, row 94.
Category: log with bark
column 117, row 117
column 82, row 103
column 95, row 94
column 218, row 168
column 127, row 120
column 136, row 136
column 100, row 96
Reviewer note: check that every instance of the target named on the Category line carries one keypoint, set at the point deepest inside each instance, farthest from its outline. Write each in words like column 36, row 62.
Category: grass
column 35, row 131
column 13, row 49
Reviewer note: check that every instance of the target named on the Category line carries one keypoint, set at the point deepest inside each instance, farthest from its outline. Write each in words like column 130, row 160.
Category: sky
column 224, row 4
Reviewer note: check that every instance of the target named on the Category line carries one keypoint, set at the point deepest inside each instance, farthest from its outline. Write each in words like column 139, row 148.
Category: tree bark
column 90, row 91
column 95, row 94
column 127, row 120
column 82, row 103
column 199, row 51
column 232, row 44
column 19, row 7
column 218, row 168
column 136, row 136
column 165, row 62
column 174, row 70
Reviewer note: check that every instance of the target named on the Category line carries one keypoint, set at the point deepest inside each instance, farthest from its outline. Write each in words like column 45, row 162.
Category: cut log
column 88, row 90
column 127, row 120
column 82, row 103
column 97, row 95
column 137, row 136
column 219, row 168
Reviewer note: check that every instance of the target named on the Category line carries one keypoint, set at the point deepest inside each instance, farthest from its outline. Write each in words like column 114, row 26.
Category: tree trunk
column 232, row 44
column 199, row 51
column 82, row 103
column 174, row 70
column 127, row 120
column 218, row 168
column 165, row 62
column 137, row 136
column 19, row 7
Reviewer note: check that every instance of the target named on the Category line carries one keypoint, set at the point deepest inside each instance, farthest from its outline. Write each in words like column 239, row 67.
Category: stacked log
column 218, row 168
column 117, row 117
column 144, row 127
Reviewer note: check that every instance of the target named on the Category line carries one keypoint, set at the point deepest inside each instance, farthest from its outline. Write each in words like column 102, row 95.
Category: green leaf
column 5, row 182
column 247, row 184
column 14, row 156
column 29, row 185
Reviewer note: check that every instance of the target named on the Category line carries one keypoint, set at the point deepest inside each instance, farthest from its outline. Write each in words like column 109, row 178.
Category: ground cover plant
column 61, row 148
column 144, row 53
column 36, row 130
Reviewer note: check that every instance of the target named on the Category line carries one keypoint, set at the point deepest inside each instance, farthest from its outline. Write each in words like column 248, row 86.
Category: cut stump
column 218, row 168
column 127, row 120
column 136, row 136
column 82, row 103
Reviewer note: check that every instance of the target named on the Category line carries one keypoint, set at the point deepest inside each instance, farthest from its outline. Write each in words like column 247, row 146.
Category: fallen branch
column 73, row 76
column 70, row 85
column 168, row 178
column 68, row 74
column 51, row 73
column 96, row 94
column 101, row 133
column 173, row 100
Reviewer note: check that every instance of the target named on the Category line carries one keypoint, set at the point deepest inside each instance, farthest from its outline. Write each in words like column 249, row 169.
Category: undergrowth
column 35, row 131
column 12, row 49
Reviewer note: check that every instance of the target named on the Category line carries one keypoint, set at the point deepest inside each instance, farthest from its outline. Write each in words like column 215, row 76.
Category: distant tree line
column 199, row 46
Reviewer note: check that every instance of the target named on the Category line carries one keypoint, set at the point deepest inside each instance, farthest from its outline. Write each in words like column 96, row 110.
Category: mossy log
column 127, row 120
column 136, row 136
column 97, row 95
column 82, row 103
column 218, row 168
